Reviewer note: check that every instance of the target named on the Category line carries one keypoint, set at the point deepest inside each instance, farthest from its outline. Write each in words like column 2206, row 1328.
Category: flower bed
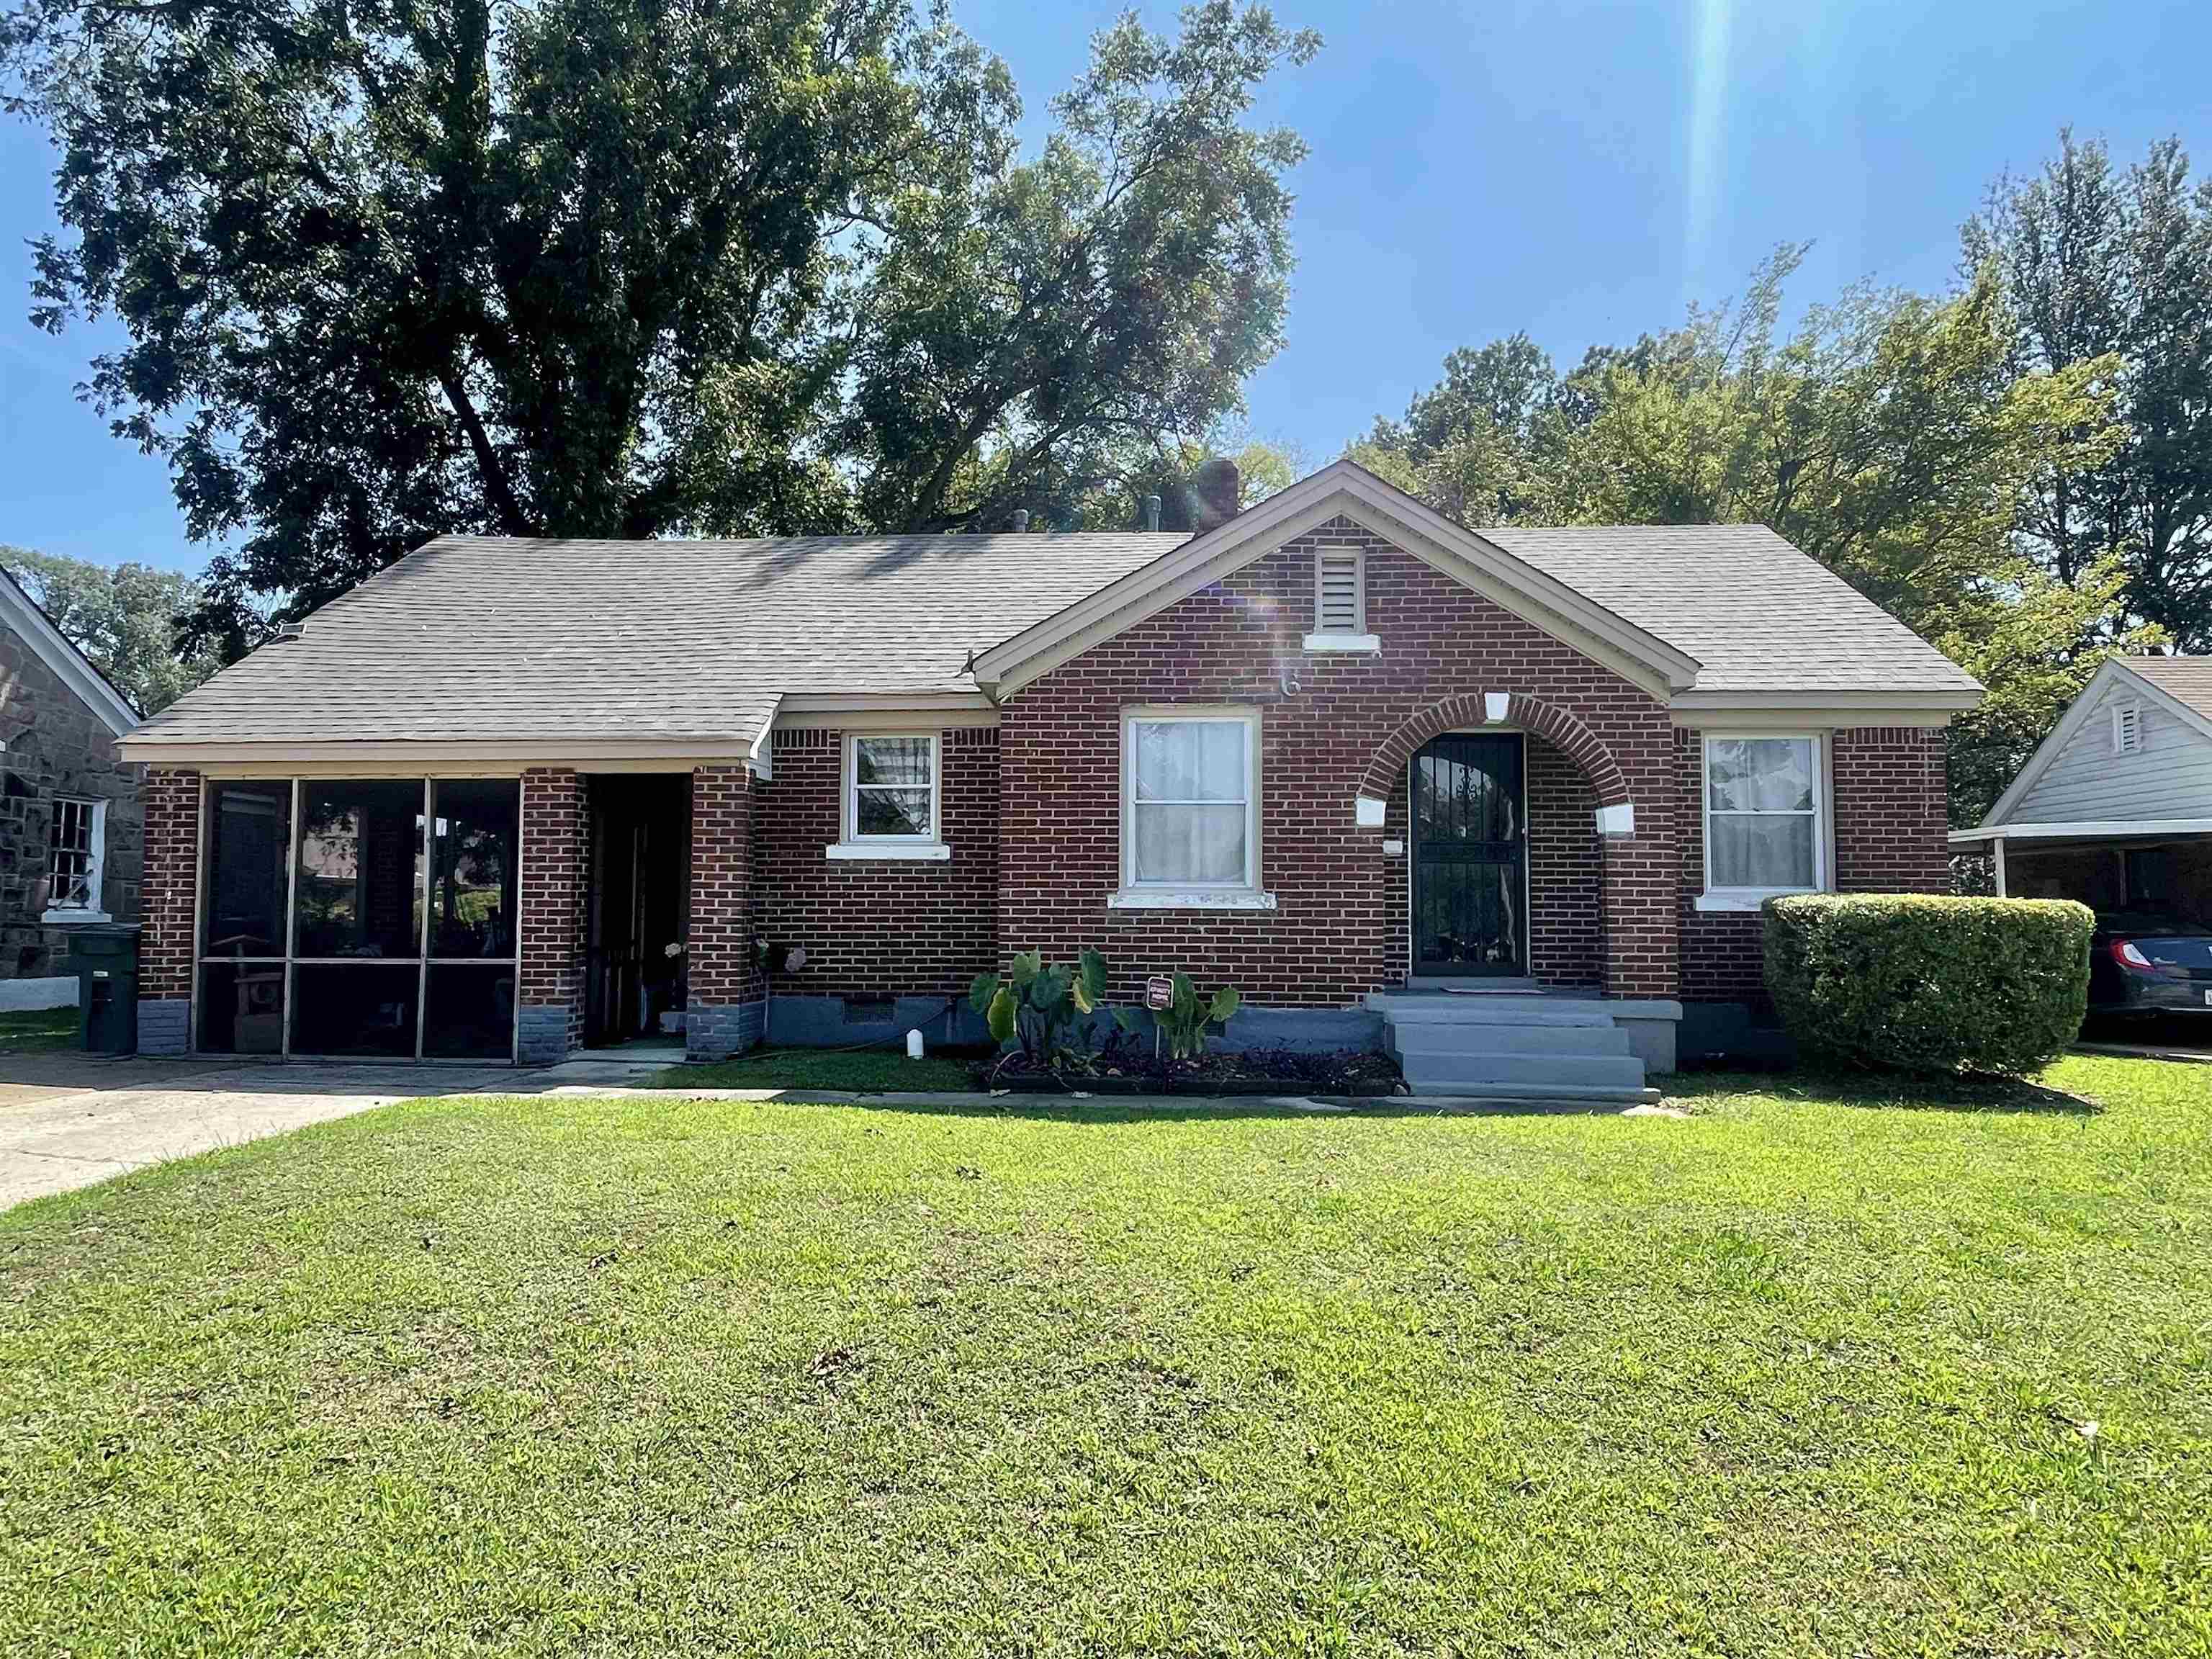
column 1131, row 1070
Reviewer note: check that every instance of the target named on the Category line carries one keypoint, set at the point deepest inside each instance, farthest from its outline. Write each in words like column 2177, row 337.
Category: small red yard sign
column 1159, row 993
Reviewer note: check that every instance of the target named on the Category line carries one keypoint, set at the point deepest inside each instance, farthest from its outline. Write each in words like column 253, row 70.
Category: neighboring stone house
column 1336, row 751
column 71, row 824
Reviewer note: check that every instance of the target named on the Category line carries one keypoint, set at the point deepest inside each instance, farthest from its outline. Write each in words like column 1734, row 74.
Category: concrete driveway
column 69, row 1120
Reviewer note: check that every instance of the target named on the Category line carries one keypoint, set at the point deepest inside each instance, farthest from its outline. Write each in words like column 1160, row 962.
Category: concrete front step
column 1516, row 1010
column 1440, row 1037
column 1429, row 1073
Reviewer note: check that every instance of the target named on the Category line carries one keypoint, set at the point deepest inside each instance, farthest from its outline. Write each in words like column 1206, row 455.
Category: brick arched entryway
column 1473, row 709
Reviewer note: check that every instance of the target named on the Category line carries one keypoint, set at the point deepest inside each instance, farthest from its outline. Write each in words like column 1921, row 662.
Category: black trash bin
column 104, row 956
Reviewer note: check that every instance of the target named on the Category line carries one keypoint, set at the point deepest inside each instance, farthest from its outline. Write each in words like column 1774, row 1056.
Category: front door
column 1469, row 855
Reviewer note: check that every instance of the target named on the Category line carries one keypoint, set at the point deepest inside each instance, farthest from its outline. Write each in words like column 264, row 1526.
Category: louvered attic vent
column 1337, row 603
column 2127, row 728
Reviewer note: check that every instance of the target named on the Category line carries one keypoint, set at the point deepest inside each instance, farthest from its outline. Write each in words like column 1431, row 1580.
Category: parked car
column 2143, row 963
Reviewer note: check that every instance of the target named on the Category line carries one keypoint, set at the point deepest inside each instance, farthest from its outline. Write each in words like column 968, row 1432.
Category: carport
column 2163, row 866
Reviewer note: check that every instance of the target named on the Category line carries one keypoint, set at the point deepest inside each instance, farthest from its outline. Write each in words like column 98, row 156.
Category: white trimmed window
column 892, row 808
column 1340, row 608
column 76, row 848
column 1190, row 808
column 1766, row 807
column 894, row 793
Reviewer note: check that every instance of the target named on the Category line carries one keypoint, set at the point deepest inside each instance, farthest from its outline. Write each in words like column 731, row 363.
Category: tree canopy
column 1903, row 440
column 128, row 619
column 390, row 268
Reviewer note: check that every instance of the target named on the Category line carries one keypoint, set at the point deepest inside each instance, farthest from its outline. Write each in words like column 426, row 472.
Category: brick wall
column 888, row 928
column 55, row 746
column 723, row 968
column 555, row 877
column 1886, row 787
column 172, row 882
column 1338, row 929
column 1890, row 809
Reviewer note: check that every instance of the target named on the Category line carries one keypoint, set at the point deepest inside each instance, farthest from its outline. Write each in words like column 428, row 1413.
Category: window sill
column 1189, row 898
column 1365, row 645
column 934, row 852
column 1746, row 898
column 65, row 918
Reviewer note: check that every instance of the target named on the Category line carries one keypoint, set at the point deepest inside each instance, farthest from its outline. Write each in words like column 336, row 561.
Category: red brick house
column 517, row 797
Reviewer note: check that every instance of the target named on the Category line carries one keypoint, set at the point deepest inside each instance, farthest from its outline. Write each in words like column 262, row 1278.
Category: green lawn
column 44, row 1028
column 861, row 1071
column 1807, row 1372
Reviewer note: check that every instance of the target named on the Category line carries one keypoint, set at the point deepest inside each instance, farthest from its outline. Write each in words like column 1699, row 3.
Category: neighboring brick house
column 1330, row 749
column 70, row 820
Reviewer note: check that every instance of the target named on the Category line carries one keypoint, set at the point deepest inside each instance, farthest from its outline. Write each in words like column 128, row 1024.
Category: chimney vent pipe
column 1021, row 520
column 1151, row 513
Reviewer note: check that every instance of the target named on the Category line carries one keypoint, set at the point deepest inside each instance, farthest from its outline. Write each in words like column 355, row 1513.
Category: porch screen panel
column 360, row 869
column 248, row 827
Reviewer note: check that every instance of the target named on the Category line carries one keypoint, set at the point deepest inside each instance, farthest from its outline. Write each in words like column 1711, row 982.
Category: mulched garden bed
column 1132, row 1070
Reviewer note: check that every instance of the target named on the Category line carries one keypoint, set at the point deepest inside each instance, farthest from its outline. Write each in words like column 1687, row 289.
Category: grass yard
column 1810, row 1371
column 858, row 1070
column 25, row 1031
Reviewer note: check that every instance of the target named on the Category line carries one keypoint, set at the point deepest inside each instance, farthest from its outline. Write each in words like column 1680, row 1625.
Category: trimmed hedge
column 1917, row 983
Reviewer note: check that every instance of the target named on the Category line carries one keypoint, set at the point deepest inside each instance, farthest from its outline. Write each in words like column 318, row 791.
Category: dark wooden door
column 1470, row 849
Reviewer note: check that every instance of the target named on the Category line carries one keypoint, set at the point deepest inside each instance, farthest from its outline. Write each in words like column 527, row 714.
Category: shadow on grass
column 1895, row 1091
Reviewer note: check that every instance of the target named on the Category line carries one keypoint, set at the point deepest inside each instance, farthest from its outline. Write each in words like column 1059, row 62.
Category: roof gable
column 59, row 653
column 2170, row 777
column 1347, row 490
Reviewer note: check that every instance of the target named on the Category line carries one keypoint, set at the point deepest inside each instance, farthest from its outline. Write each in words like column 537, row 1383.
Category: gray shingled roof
column 1757, row 614
column 2187, row 680
column 481, row 638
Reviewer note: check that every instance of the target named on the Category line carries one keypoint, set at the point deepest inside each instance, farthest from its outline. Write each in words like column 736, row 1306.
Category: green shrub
column 1918, row 983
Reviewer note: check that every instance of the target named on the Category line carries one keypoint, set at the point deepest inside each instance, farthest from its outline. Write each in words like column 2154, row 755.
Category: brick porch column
column 170, row 887
column 555, row 876
column 1643, row 902
column 725, row 1013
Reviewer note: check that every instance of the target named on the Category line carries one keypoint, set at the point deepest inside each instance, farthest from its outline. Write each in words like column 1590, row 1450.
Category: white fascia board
column 2070, row 722
column 2081, row 830
column 69, row 664
column 1345, row 489
column 1704, row 711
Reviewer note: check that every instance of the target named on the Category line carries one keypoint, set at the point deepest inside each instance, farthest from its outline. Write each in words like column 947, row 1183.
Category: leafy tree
column 2100, row 264
column 1890, row 436
column 389, row 268
column 127, row 618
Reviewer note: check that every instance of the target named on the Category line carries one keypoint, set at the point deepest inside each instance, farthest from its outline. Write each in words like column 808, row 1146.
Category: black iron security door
column 1469, row 858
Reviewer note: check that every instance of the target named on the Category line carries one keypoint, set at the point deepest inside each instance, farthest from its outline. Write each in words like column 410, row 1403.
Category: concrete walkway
column 69, row 1120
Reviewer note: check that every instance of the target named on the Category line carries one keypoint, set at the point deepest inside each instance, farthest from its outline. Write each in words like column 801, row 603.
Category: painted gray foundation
column 828, row 1023
column 1654, row 1027
column 542, row 1034
column 165, row 1026
column 717, row 1030
column 1715, row 1033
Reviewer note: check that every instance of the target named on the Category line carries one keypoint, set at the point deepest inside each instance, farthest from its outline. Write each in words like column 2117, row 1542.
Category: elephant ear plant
column 1186, row 1016
column 1034, row 1003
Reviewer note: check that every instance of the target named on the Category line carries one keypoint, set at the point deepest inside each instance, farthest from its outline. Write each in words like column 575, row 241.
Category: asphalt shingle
column 476, row 638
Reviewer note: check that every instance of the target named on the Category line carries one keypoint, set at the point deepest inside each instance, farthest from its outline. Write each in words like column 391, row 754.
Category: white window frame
column 92, row 909
column 1356, row 638
column 1246, row 895
column 1749, row 898
column 851, row 842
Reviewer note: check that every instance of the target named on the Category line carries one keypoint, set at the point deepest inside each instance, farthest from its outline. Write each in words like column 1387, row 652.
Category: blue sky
column 1574, row 169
